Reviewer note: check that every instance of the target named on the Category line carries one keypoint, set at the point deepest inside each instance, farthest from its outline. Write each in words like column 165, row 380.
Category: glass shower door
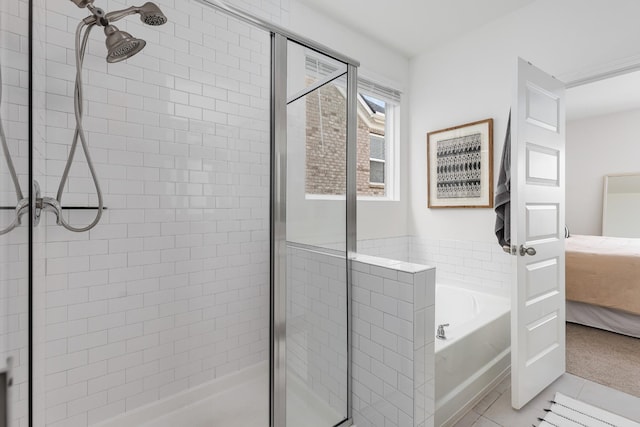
column 14, row 213
column 316, row 302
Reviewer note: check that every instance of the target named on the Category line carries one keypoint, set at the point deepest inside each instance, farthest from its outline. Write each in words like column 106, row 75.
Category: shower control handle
column 527, row 251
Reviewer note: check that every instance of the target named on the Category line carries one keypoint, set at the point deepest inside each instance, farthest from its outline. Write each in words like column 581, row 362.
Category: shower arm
column 97, row 14
column 82, row 3
column 99, row 17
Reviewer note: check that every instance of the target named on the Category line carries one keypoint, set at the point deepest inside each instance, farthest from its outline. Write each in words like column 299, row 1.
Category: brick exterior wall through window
column 326, row 132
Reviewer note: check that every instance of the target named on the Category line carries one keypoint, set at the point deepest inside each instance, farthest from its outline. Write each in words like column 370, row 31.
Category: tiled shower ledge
column 407, row 267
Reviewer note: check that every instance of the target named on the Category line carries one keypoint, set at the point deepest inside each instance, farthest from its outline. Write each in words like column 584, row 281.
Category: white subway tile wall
column 393, row 351
column 171, row 290
column 390, row 247
column 317, row 324
column 14, row 253
column 483, row 265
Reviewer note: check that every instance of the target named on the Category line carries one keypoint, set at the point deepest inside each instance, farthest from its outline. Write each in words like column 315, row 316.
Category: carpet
column 568, row 412
column 604, row 357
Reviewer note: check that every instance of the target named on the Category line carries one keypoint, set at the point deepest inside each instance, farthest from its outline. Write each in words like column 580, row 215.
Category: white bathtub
column 475, row 356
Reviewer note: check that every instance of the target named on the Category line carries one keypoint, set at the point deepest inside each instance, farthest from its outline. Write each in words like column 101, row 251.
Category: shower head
column 149, row 12
column 121, row 45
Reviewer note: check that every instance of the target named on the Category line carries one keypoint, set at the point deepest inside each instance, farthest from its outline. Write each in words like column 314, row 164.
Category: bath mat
column 568, row 412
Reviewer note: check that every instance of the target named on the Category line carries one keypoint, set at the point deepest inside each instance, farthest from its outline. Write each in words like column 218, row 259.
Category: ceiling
column 414, row 26
column 608, row 96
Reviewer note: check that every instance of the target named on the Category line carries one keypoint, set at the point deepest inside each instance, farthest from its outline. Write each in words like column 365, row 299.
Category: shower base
column 241, row 400
column 245, row 404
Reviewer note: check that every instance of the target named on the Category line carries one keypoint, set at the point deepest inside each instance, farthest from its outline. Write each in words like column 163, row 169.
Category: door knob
column 527, row 251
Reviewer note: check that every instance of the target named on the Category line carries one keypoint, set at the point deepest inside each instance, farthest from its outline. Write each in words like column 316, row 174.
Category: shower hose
column 79, row 135
column 12, row 171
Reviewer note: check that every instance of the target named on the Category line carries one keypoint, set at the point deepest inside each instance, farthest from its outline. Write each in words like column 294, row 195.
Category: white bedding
column 603, row 318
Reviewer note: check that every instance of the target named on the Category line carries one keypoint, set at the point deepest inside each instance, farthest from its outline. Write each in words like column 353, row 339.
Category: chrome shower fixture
column 120, row 44
column 149, row 13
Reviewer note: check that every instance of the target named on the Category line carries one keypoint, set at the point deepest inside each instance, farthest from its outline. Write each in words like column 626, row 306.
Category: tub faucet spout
column 441, row 335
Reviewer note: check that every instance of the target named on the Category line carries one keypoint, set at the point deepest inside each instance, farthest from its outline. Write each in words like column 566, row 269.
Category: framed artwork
column 460, row 166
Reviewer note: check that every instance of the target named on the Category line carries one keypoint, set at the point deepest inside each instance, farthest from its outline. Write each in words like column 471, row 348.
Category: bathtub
column 475, row 357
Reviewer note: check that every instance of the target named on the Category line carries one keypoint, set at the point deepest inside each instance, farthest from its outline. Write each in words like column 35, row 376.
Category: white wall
column 471, row 78
column 376, row 219
column 597, row 146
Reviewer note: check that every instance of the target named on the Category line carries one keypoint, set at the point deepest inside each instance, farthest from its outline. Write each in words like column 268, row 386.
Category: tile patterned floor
column 495, row 409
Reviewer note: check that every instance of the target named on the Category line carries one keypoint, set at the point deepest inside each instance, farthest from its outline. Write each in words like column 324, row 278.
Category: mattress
column 604, row 271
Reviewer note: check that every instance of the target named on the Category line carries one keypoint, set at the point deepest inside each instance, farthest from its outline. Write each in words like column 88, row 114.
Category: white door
column 537, row 233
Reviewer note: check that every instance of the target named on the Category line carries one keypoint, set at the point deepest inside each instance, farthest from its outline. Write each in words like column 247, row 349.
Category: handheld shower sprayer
column 149, row 13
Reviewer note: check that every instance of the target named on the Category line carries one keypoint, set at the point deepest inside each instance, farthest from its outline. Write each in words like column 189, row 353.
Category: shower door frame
column 278, row 200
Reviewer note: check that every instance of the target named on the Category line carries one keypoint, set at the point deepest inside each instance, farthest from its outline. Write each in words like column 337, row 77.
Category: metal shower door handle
column 527, row 251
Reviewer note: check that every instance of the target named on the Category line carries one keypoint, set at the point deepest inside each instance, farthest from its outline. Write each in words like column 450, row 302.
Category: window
column 376, row 159
column 377, row 135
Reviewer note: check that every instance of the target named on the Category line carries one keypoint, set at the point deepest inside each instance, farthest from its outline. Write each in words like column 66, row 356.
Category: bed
column 603, row 283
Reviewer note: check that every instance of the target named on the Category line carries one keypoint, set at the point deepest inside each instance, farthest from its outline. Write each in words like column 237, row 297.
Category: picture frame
column 460, row 166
